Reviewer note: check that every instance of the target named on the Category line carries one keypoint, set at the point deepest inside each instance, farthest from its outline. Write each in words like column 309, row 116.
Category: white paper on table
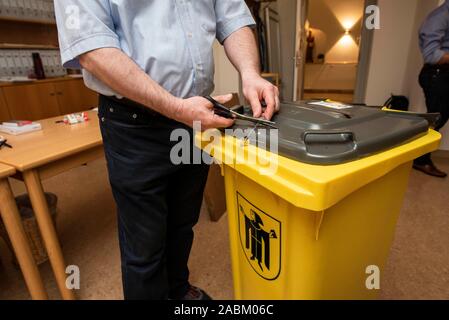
column 331, row 104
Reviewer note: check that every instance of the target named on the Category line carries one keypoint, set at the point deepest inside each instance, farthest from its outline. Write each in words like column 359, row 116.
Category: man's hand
column 200, row 109
column 241, row 49
column 257, row 89
column 444, row 59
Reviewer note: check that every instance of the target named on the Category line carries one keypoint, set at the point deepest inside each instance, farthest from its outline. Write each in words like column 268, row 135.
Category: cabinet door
column 4, row 112
column 32, row 102
column 74, row 96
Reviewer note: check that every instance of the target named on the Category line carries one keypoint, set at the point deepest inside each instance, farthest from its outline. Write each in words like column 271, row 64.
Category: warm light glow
column 348, row 24
column 346, row 40
column 345, row 50
column 347, row 12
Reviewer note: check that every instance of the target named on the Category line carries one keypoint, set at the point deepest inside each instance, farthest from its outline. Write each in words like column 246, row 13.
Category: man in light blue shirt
column 434, row 36
column 151, row 61
column 434, row 77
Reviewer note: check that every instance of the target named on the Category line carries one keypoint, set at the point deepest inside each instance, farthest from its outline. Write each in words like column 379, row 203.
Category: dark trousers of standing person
column 434, row 79
column 158, row 203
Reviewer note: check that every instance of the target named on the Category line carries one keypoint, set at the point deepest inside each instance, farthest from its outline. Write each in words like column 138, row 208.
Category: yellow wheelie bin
column 313, row 216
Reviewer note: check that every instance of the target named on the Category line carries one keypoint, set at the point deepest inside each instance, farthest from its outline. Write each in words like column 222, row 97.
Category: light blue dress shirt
column 171, row 40
column 434, row 35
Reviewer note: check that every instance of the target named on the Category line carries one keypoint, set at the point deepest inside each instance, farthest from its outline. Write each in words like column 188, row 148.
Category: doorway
column 333, row 37
column 325, row 49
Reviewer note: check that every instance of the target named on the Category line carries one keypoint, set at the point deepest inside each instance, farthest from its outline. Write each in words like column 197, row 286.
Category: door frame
column 272, row 17
column 365, row 50
column 366, row 46
column 302, row 8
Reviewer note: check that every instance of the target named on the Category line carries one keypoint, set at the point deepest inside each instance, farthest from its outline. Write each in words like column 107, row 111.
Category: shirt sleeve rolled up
column 83, row 26
column 231, row 16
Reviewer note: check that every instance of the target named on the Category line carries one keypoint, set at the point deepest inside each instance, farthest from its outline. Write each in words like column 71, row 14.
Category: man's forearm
column 115, row 69
column 241, row 49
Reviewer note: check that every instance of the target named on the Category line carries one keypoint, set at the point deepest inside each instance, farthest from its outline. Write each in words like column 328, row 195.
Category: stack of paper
column 331, row 104
column 19, row 127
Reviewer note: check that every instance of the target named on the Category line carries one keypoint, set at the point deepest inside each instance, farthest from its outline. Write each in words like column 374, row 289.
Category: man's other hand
column 257, row 89
column 444, row 59
column 200, row 109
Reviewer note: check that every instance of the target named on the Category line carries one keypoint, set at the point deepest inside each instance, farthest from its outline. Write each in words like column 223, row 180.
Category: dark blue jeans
column 158, row 202
column 435, row 82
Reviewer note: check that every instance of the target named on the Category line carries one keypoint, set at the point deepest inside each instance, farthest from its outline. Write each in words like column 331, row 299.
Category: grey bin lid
column 326, row 136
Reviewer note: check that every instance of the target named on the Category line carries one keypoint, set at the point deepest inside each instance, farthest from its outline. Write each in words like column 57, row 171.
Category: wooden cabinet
column 31, row 102
column 74, row 96
column 45, row 99
column 4, row 112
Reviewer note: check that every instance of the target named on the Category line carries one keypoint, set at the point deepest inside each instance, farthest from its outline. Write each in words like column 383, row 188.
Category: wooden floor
column 417, row 268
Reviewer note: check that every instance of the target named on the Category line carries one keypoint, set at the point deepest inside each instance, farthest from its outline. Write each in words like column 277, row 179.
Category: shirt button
column 111, row 109
column 190, row 35
column 102, row 119
column 135, row 116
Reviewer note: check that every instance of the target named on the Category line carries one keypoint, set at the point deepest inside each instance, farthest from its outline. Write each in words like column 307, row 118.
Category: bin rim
column 318, row 187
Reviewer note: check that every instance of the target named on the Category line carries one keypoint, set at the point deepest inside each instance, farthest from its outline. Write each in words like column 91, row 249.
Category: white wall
column 227, row 78
column 390, row 51
column 330, row 76
column 415, row 62
column 287, row 13
column 396, row 60
column 328, row 20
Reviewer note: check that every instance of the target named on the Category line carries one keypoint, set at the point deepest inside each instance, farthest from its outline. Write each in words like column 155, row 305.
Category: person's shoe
column 430, row 170
column 195, row 293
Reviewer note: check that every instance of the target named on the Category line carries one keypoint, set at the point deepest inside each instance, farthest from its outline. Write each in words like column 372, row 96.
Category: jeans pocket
column 427, row 78
column 125, row 140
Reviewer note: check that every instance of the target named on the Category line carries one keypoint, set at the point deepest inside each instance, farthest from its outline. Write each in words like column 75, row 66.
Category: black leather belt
column 131, row 105
column 442, row 67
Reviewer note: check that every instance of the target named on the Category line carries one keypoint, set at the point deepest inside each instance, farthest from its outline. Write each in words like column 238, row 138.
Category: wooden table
column 13, row 224
column 40, row 155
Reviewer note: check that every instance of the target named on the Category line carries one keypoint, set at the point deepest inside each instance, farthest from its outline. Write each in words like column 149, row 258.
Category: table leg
column 48, row 232
column 19, row 241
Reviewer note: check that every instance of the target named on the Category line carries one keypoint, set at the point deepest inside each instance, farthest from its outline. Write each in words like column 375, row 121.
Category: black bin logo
column 260, row 237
